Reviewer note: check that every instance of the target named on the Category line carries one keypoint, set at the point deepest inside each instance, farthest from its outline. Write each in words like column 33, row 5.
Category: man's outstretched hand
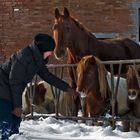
column 73, row 92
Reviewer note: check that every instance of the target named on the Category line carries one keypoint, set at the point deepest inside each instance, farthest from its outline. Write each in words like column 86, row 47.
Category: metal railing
column 114, row 88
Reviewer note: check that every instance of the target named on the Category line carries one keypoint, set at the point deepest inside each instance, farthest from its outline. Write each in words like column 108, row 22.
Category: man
column 19, row 70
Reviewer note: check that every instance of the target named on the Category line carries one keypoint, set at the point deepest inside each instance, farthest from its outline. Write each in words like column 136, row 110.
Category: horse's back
column 116, row 49
column 122, row 106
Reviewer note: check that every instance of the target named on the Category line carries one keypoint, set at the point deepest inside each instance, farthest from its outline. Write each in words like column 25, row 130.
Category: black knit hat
column 44, row 42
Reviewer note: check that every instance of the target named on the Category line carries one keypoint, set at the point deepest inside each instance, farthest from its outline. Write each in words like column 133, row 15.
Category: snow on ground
column 53, row 129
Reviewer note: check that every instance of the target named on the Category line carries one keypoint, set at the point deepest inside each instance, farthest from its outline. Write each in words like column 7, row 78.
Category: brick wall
column 20, row 20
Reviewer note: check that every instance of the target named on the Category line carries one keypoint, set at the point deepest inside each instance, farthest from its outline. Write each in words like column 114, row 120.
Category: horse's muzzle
column 132, row 94
column 81, row 94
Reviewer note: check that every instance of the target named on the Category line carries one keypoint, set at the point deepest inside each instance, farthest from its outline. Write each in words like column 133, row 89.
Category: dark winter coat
column 19, row 70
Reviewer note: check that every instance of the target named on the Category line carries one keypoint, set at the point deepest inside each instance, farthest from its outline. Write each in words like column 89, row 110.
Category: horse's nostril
column 133, row 93
column 129, row 93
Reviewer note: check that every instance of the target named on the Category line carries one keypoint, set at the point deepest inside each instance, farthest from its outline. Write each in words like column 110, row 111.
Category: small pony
column 92, row 80
column 95, row 82
column 133, row 88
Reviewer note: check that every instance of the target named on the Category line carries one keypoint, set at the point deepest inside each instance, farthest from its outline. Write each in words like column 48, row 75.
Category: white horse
column 47, row 101
column 122, row 94
column 43, row 100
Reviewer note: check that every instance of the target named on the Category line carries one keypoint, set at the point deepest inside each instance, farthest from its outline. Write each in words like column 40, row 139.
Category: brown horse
column 92, row 80
column 71, row 35
column 133, row 96
column 95, row 82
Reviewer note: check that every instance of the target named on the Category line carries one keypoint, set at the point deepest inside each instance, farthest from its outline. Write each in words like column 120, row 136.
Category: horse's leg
column 84, row 107
column 126, row 126
column 89, row 111
column 134, row 126
column 71, row 72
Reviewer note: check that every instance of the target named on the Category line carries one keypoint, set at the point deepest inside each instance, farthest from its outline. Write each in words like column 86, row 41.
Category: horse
column 91, row 80
column 75, row 39
column 71, row 35
column 43, row 101
column 133, row 96
column 95, row 82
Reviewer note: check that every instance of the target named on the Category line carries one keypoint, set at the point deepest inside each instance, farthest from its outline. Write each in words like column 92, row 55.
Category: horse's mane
column 102, row 78
column 131, row 72
column 80, row 25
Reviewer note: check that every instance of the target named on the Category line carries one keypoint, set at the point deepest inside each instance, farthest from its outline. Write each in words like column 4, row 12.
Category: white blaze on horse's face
column 55, row 35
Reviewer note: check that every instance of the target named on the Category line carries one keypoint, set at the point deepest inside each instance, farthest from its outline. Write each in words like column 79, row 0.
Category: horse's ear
column 66, row 12
column 57, row 14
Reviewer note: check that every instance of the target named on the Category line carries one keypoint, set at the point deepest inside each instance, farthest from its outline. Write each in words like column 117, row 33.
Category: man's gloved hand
column 17, row 111
column 72, row 92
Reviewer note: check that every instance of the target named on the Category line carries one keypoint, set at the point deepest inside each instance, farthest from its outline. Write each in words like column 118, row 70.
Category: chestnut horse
column 95, row 82
column 72, row 36
column 92, row 80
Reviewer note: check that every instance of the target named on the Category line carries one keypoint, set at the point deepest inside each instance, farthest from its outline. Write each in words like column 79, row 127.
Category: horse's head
column 61, row 32
column 132, row 82
column 69, row 33
column 91, row 74
column 87, row 72
column 39, row 95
